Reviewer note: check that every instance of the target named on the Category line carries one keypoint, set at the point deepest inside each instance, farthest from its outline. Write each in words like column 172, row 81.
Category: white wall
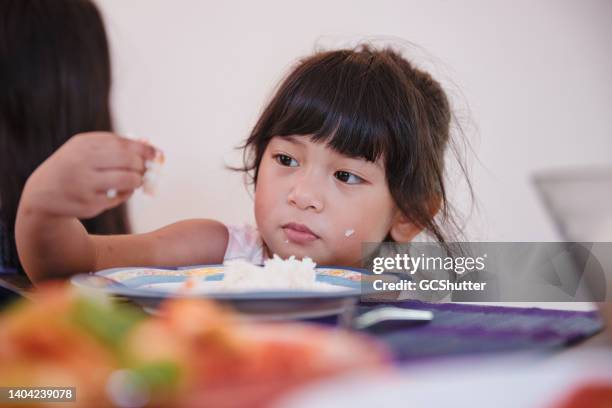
column 531, row 81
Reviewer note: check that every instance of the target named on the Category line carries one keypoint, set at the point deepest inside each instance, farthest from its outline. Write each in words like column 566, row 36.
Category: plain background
column 530, row 82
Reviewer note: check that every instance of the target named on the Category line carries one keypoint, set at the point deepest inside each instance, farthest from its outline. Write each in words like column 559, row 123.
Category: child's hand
column 76, row 180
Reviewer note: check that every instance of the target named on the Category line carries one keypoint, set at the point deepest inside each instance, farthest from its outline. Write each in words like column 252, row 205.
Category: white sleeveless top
column 244, row 243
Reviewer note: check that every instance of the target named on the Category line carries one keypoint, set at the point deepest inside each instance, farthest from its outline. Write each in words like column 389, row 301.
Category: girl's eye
column 285, row 160
column 348, row 178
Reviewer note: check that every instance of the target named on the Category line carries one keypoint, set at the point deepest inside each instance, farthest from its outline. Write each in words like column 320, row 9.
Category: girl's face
column 312, row 201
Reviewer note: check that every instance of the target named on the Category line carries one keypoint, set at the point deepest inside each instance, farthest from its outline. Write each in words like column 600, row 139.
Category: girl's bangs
column 340, row 107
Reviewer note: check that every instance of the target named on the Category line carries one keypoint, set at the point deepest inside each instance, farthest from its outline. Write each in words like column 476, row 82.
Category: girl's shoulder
column 244, row 242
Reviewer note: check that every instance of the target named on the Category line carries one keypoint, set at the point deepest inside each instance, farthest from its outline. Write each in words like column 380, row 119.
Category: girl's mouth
column 299, row 233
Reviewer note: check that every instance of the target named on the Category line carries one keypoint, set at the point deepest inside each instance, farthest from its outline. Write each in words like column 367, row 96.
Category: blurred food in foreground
column 592, row 395
column 193, row 354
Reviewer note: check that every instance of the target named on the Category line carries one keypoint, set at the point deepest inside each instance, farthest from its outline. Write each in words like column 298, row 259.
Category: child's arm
column 71, row 184
column 188, row 242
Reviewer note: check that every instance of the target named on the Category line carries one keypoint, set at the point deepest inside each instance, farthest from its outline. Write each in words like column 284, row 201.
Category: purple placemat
column 459, row 329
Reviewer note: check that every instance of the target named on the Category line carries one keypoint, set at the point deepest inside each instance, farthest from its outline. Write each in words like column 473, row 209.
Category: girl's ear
column 404, row 230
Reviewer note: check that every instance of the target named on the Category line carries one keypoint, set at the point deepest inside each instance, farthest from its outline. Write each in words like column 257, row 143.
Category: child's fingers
column 106, row 202
column 118, row 180
column 144, row 150
column 124, row 159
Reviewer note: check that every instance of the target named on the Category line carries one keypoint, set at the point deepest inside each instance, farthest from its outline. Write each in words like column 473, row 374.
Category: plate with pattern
column 337, row 290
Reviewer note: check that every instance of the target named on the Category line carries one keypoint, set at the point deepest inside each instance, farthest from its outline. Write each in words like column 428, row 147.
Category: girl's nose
column 305, row 195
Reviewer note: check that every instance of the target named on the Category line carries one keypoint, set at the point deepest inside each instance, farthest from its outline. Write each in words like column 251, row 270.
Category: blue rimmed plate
column 150, row 286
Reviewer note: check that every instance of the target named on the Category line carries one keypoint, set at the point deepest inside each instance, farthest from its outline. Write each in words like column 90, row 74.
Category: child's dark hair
column 371, row 104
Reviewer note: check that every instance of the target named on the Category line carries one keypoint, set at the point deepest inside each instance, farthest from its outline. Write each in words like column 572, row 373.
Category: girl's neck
column 267, row 254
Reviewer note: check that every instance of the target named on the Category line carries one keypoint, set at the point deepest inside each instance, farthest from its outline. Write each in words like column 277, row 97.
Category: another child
column 349, row 150
column 55, row 78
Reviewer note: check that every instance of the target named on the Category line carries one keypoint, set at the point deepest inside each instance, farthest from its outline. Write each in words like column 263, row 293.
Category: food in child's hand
column 151, row 176
column 153, row 167
column 111, row 193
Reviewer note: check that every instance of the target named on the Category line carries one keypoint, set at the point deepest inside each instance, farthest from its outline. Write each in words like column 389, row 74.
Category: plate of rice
column 278, row 289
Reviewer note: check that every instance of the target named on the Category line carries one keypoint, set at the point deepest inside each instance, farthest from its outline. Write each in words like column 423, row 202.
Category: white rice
column 276, row 275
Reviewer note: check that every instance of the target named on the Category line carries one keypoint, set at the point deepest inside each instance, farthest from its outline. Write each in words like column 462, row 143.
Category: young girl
column 349, row 150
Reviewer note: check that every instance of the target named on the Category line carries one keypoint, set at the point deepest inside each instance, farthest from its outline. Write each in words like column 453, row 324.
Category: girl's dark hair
column 55, row 80
column 371, row 104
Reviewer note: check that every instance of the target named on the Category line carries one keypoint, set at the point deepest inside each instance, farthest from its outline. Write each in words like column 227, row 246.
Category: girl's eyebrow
column 294, row 140
column 376, row 164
